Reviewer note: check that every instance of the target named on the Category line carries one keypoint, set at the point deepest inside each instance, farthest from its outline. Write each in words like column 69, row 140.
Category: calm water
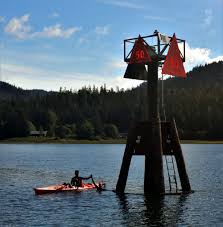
column 23, row 167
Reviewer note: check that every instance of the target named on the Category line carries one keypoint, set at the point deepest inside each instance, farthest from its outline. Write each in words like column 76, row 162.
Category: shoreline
column 29, row 140
column 43, row 140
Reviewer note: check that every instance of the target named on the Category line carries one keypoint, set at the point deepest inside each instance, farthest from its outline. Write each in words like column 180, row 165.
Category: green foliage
column 86, row 130
column 62, row 131
column 16, row 125
column 31, row 126
column 72, row 128
column 111, row 131
column 50, row 119
column 196, row 103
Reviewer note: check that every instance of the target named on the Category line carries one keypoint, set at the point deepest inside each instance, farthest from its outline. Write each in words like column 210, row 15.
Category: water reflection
column 154, row 213
column 151, row 211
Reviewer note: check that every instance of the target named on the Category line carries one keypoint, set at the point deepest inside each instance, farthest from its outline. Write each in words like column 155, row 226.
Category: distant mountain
column 195, row 102
column 8, row 91
column 199, row 76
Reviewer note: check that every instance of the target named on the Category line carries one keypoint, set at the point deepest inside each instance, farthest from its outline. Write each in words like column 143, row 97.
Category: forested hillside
column 195, row 102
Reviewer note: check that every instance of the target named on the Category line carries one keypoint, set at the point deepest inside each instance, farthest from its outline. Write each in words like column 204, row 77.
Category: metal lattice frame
column 160, row 48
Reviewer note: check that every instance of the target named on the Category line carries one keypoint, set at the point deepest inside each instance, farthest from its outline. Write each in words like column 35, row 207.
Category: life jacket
column 77, row 181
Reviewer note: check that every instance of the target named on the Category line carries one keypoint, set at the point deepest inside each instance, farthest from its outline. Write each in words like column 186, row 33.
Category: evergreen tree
column 111, row 131
column 85, row 130
column 62, row 131
column 195, row 102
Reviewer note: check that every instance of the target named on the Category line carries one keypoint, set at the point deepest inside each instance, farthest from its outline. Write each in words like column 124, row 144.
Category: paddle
column 96, row 186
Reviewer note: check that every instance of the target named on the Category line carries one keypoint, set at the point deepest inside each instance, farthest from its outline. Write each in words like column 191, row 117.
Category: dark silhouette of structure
column 152, row 138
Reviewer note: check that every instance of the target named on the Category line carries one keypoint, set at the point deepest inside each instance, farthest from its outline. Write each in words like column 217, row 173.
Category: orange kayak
column 63, row 188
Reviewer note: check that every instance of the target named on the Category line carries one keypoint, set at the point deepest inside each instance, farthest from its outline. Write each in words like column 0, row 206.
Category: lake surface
column 25, row 166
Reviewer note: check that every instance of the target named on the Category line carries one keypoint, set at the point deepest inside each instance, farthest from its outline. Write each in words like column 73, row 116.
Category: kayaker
column 78, row 181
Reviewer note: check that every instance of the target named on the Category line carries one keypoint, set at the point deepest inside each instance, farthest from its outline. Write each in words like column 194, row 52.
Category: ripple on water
column 23, row 167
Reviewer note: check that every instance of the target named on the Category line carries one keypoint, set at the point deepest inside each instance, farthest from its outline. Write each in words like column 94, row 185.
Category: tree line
column 93, row 113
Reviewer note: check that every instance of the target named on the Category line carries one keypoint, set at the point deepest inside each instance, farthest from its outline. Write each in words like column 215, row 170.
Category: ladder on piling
column 171, row 173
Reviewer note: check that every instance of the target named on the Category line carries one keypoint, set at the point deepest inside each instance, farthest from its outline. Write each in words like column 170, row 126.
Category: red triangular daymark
column 140, row 53
column 173, row 64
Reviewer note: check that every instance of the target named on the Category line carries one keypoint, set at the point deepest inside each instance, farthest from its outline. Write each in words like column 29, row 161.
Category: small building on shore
column 123, row 135
column 38, row 133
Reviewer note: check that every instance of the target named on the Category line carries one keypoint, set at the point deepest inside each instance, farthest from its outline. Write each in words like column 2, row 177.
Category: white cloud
column 40, row 78
column 18, row 27
column 208, row 17
column 118, row 64
column 157, row 18
column 2, row 19
column 198, row 56
column 116, row 68
column 124, row 83
column 194, row 57
column 124, row 3
column 83, row 40
column 55, row 15
column 104, row 30
column 56, row 31
column 216, row 59
column 36, row 78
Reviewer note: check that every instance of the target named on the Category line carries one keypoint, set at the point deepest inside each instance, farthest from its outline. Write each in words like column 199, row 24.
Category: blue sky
column 47, row 44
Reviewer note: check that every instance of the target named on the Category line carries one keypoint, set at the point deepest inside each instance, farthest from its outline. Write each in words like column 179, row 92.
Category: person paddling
column 77, row 181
